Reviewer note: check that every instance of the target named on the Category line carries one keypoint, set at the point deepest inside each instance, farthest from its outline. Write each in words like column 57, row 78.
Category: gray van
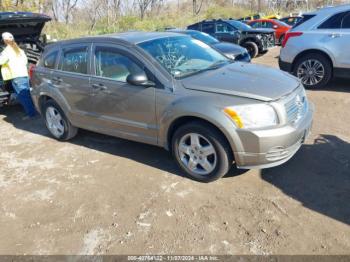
column 176, row 92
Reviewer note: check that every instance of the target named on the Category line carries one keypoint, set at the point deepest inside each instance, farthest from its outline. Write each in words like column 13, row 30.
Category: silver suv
column 318, row 47
column 175, row 92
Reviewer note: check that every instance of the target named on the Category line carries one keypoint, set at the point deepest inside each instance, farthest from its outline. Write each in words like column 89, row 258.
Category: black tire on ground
column 281, row 39
column 326, row 63
column 223, row 150
column 70, row 131
column 252, row 48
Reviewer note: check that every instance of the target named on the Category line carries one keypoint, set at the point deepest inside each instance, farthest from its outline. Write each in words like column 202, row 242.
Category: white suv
column 318, row 47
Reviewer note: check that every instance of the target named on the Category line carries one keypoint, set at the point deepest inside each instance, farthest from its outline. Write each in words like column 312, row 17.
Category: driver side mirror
column 139, row 79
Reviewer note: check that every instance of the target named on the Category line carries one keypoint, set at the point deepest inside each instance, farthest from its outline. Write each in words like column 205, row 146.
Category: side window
column 223, row 28
column 335, row 22
column 49, row 61
column 194, row 27
column 111, row 63
column 346, row 21
column 208, row 28
column 75, row 60
column 255, row 24
column 268, row 25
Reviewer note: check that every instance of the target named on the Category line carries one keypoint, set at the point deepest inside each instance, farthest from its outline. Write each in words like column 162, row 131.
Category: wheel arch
column 312, row 51
column 251, row 39
column 182, row 120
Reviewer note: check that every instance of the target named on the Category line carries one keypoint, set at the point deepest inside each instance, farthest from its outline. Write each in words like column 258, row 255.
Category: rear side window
column 113, row 64
column 208, row 28
column 194, row 27
column 74, row 60
column 49, row 61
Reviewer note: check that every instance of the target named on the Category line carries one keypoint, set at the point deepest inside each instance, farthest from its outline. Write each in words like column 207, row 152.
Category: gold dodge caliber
column 175, row 92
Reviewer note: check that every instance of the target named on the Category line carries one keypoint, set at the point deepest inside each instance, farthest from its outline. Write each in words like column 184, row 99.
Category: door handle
column 334, row 35
column 100, row 87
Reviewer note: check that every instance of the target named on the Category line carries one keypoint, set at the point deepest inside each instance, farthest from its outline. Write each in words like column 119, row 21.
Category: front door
column 120, row 108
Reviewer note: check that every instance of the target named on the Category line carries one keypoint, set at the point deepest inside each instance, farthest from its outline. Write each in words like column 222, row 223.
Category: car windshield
column 184, row 56
column 239, row 25
column 281, row 23
column 303, row 20
column 209, row 40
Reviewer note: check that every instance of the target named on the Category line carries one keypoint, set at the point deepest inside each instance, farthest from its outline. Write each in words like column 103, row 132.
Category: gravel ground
column 103, row 195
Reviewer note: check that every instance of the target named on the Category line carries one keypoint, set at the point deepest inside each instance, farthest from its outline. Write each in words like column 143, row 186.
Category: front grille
column 268, row 40
column 296, row 106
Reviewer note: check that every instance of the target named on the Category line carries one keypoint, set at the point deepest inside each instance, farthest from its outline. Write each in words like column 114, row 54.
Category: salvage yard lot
column 103, row 195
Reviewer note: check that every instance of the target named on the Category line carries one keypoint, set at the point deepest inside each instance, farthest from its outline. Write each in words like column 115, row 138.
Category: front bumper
column 273, row 147
column 285, row 66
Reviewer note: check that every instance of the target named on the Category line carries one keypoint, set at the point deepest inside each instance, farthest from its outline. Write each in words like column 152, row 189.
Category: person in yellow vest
column 14, row 63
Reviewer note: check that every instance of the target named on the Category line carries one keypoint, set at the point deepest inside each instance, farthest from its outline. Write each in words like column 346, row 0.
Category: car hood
column 23, row 25
column 228, row 48
column 244, row 80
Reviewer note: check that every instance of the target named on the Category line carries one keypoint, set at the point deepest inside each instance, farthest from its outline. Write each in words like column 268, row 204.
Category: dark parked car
column 256, row 41
column 291, row 20
column 26, row 28
column 232, row 51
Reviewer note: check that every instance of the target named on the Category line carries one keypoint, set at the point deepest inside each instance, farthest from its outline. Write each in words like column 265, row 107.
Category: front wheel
column 202, row 152
column 57, row 123
column 252, row 48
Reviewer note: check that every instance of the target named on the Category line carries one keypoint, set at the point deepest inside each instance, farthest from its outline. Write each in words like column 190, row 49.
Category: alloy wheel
column 311, row 72
column 197, row 154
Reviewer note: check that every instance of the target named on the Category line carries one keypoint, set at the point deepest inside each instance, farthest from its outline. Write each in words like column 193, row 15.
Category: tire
column 67, row 130
column 252, row 48
column 281, row 39
column 299, row 69
column 221, row 160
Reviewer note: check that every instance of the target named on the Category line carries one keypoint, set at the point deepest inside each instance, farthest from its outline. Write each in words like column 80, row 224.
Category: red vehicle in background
column 280, row 27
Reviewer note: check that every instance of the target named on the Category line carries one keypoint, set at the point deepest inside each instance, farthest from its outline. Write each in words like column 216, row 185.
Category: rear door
column 209, row 28
column 224, row 32
column 73, row 81
column 120, row 108
column 336, row 38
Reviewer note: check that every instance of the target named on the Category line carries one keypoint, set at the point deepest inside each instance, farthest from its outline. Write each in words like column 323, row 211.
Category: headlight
column 252, row 116
column 231, row 56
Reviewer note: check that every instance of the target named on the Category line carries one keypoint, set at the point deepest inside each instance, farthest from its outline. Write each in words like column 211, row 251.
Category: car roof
column 22, row 15
column 331, row 9
column 183, row 31
column 133, row 38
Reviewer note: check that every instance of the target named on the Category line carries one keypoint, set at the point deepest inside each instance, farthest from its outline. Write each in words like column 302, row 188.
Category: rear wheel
column 57, row 123
column 252, row 48
column 201, row 152
column 314, row 70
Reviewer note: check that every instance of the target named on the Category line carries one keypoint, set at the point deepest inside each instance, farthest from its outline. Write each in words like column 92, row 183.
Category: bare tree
column 62, row 9
column 197, row 6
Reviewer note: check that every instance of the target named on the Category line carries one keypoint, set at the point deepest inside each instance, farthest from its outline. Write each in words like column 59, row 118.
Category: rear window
column 49, row 61
column 194, row 27
column 303, row 20
column 74, row 60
